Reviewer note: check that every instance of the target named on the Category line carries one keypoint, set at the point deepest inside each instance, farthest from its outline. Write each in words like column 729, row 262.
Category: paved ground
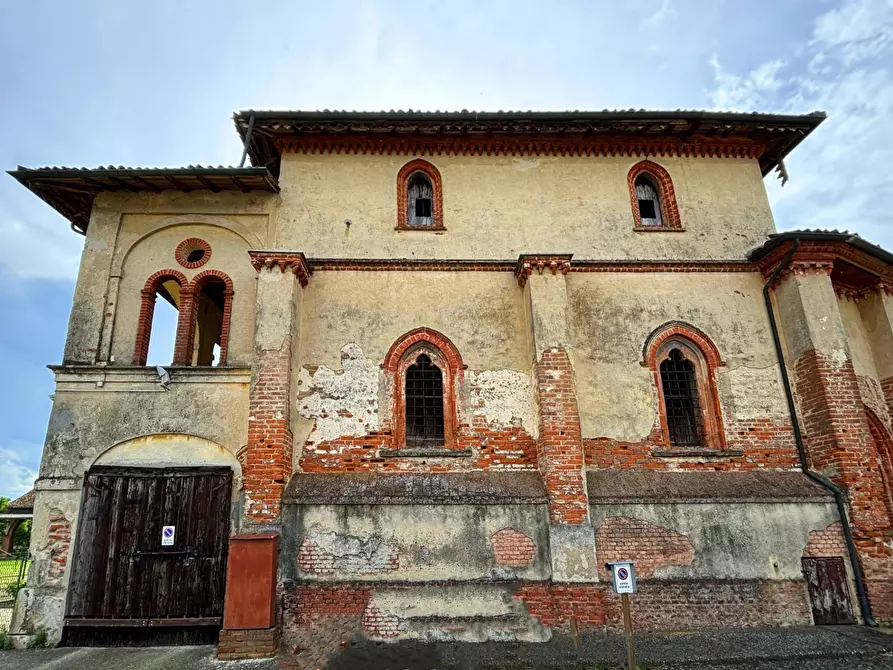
column 826, row 648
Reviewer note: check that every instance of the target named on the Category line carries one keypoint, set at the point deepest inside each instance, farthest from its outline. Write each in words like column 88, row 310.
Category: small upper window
column 419, row 198
column 653, row 198
column 649, row 201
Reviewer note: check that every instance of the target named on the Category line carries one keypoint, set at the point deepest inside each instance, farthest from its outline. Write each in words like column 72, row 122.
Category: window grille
column 420, row 201
column 424, row 404
column 681, row 400
column 649, row 202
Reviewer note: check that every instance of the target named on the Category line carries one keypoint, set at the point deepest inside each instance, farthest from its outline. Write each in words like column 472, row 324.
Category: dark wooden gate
column 126, row 588
column 829, row 595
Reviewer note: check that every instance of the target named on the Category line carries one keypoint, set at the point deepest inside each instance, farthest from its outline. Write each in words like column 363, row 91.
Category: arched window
column 420, row 201
column 419, row 197
column 683, row 409
column 170, row 286
column 426, row 369
column 424, row 404
column 209, row 314
column 648, row 201
column 683, row 361
column 653, row 198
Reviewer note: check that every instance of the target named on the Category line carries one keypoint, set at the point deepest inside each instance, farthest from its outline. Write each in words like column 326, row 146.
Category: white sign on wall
column 623, row 576
column 167, row 535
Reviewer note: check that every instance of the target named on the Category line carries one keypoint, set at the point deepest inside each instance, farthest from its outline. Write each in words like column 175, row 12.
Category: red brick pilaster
column 267, row 460
column 560, row 442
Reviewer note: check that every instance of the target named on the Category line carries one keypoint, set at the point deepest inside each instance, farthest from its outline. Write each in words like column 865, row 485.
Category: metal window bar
column 681, row 400
column 424, row 404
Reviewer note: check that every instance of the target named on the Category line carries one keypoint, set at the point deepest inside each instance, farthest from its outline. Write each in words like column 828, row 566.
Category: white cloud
column 36, row 250
column 16, row 477
column 839, row 176
column 665, row 11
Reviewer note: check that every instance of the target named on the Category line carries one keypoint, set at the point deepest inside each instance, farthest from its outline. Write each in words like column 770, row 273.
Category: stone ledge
column 449, row 488
column 424, row 453
column 697, row 453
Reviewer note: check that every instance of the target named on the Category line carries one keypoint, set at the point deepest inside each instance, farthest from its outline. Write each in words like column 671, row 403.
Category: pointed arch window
column 426, row 369
column 419, row 197
column 683, row 362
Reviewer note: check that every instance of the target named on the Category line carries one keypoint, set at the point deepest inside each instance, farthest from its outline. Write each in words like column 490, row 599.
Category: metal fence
column 12, row 577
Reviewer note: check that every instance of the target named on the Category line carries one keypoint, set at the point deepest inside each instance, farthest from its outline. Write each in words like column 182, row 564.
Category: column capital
column 287, row 261
column 528, row 263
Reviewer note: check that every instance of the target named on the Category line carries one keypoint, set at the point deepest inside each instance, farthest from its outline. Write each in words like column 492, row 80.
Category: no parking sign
column 167, row 535
column 624, row 576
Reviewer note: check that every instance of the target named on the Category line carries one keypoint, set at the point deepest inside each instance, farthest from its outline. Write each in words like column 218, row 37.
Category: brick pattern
column 512, row 548
column 470, row 265
column 245, row 644
column 887, row 388
column 650, row 546
column 560, row 443
column 705, row 604
column 380, row 625
column 553, row 605
column 186, row 247
column 186, row 320
column 764, row 443
column 419, row 165
column 666, row 195
column 59, row 544
column 314, row 560
column 147, row 312
column 840, row 444
column 267, row 462
column 827, row 542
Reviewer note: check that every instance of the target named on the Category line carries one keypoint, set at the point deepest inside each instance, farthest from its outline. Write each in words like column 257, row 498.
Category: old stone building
column 433, row 370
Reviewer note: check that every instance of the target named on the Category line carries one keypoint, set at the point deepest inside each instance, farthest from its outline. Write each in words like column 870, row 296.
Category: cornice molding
column 287, row 261
column 500, row 145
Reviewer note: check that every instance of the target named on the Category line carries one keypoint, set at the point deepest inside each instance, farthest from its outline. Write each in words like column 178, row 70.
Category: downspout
column 864, row 607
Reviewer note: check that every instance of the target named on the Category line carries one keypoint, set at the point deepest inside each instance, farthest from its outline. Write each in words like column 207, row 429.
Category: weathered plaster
column 460, row 613
column 502, row 206
column 739, row 541
column 432, row 542
column 502, row 397
column 810, row 316
column 611, row 317
column 340, row 402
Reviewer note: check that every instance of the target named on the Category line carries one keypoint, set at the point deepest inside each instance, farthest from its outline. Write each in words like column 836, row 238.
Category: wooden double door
column 149, row 565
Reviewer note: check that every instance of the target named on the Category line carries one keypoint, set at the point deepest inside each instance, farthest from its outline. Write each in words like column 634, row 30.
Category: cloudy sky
column 155, row 84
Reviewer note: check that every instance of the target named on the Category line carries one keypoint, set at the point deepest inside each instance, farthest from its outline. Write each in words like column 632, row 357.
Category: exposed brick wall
column 555, row 606
column 764, row 443
column 840, row 444
column 828, row 541
column 512, row 548
column 242, row 644
column 510, row 448
column 560, row 443
column 696, row 605
column 59, row 544
column 267, row 462
column 887, row 388
column 354, row 558
column 622, row 538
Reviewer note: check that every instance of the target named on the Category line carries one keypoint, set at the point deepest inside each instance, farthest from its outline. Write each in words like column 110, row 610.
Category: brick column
column 267, row 461
column 835, row 426
column 560, row 442
column 877, row 315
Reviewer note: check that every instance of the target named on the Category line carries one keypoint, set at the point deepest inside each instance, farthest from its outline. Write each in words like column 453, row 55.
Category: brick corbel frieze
column 287, row 261
column 819, row 257
column 540, row 263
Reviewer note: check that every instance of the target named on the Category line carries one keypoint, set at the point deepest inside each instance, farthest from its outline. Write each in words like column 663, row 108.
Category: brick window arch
column 652, row 197
column 155, row 286
column 209, row 305
column 683, row 363
column 419, row 197
column 426, row 369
